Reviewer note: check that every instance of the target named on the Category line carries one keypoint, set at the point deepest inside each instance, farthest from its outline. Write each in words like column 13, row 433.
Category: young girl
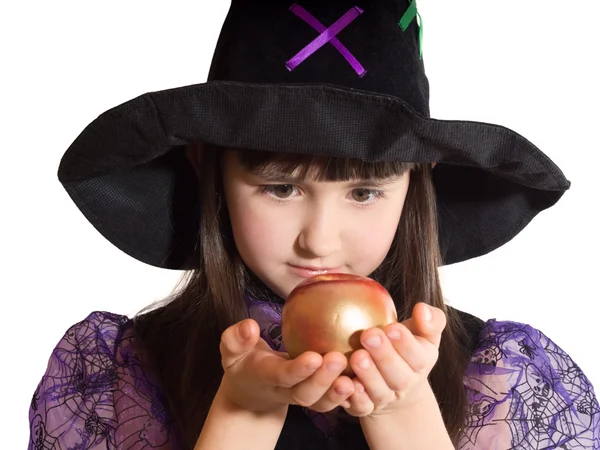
column 307, row 152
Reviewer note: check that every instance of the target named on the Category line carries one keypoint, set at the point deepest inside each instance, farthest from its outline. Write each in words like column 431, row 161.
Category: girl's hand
column 259, row 379
column 391, row 372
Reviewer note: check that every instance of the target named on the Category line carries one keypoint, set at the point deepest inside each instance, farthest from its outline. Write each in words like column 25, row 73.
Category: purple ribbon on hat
column 327, row 35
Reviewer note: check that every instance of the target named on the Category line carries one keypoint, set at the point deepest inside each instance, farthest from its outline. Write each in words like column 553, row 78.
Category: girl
column 307, row 152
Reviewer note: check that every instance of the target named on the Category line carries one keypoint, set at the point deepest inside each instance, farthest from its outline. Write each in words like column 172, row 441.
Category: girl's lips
column 307, row 272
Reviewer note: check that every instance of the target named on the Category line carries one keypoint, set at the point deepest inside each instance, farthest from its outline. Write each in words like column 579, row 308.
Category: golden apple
column 328, row 312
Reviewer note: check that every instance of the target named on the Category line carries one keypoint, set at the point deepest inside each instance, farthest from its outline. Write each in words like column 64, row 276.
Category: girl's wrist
column 230, row 426
column 417, row 425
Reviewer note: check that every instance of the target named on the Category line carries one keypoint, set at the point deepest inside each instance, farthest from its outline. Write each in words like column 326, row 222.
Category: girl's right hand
column 259, row 379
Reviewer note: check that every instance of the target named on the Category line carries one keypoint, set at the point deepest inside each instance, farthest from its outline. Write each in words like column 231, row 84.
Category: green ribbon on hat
column 406, row 19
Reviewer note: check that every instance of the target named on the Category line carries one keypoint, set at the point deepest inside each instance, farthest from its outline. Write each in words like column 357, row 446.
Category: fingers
column 381, row 368
column 338, row 393
column 286, row 373
column 319, row 390
column 359, row 404
column 416, row 352
column 237, row 340
column 427, row 322
column 394, row 360
column 270, row 367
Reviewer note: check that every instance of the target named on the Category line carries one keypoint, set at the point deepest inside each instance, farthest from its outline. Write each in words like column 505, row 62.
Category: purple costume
column 524, row 392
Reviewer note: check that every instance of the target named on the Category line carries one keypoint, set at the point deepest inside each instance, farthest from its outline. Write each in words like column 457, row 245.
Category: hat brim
column 126, row 177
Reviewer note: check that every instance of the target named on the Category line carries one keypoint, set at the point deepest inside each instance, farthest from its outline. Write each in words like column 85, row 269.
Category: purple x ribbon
column 327, row 35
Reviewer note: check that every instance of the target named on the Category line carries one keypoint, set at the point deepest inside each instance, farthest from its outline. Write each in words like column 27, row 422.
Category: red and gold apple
column 328, row 312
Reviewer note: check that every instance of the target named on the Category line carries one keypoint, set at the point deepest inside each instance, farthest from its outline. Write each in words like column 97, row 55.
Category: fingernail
column 313, row 366
column 394, row 334
column 334, row 366
column 364, row 364
column 428, row 315
column 373, row 342
column 340, row 391
column 245, row 331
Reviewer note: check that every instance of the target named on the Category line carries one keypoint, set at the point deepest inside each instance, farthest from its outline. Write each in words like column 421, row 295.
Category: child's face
column 282, row 226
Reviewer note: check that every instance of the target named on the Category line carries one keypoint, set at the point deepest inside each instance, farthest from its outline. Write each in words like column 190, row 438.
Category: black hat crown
column 371, row 45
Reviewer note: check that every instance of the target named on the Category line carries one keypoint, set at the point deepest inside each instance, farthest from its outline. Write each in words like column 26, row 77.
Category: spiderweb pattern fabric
column 96, row 393
column 524, row 392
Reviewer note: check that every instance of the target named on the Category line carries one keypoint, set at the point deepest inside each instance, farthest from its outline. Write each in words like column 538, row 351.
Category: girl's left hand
column 391, row 371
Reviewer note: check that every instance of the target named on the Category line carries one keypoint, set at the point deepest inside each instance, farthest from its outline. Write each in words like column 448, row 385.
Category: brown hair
column 181, row 334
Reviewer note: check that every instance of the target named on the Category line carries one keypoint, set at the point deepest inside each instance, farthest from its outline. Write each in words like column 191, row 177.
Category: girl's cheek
column 372, row 236
column 265, row 228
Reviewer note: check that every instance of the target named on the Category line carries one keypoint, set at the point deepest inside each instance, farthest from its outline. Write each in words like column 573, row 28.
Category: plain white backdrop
column 530, row 65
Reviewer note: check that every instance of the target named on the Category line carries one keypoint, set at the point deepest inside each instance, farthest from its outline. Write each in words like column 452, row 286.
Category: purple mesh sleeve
column 95, row 394
column 527, row 393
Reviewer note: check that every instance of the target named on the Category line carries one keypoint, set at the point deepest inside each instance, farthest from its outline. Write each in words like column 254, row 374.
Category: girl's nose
column 320, row 235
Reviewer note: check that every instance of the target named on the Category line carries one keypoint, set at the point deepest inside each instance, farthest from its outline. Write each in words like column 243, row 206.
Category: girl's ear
column 433, row 165
column 193, row 153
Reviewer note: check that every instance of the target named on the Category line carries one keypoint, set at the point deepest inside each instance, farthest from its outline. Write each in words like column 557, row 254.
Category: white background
column 529, row 65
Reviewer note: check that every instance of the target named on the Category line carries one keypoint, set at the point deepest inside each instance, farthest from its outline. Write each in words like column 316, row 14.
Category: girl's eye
column 280, row 191
column 366, row 196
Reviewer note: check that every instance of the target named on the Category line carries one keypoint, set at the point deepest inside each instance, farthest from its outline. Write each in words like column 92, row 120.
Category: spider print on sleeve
column 525, row 392
column 95, row 392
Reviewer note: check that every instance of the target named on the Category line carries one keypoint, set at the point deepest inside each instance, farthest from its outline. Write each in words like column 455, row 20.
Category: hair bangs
column 318, row 168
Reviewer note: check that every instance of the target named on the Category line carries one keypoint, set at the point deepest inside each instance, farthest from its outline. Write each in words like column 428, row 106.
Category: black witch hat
column 337, row 78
